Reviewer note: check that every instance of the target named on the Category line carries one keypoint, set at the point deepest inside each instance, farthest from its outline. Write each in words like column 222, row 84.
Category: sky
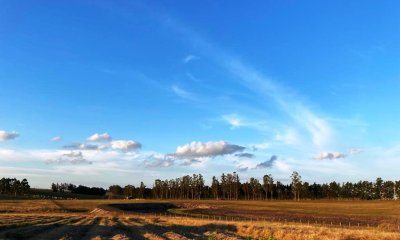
column 118, row 92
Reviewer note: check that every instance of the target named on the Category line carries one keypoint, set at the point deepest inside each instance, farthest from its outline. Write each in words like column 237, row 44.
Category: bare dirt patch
column 139, row 207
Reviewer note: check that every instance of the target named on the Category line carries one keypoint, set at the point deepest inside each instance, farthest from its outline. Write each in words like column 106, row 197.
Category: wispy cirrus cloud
column 318, row 128
column 56, row 139
column 236, row 121
column 182, row 93
column 190, row 58
column 289, row 137
column 262, row 146
column 233, row 120
column 355, row 151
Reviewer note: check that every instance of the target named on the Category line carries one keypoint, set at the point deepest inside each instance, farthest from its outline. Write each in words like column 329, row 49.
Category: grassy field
column 96, row 219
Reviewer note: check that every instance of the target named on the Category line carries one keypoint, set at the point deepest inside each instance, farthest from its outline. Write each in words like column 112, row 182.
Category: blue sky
column 105, row 92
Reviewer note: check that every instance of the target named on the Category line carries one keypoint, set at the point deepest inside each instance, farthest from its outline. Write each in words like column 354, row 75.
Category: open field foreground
column 123, row 219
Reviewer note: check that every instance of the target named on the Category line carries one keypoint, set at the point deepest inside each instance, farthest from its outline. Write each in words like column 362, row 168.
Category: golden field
column 206, row 219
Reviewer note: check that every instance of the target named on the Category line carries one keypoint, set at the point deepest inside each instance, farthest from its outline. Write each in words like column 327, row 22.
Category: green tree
column 115, row 190
column 215, row 187
column 129, row 191
column 25, row 186
column 296, row 185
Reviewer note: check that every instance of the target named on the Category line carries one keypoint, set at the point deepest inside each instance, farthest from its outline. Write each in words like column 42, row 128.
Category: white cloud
column 56, row 139
column 74, row 158
column 40, row 155
column 318, row 128
column 329, row 155
column 182, row 93
column 190, row 162
column 242, row 168
column 268, row 163
column 261, row 146
column 65, row 165
column 105, row 137
column 321, row 131
column 290, row 137
column 73, row 154
column 244, row 155
column 190, row 58
column 355, row 151
column 82, row 146
column 4, row 136
column 103, row 146
column 233, row 120
column 11, row 155
column 236, row 121
column 159, row 160
column 206, row 149
column 125, row 145
column 282, row 166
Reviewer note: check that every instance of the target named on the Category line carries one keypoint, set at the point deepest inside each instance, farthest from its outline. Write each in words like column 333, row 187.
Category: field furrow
column 26, row 230
column 58, row 230
column 100, row 221
column 21, row 225
column 102, row 228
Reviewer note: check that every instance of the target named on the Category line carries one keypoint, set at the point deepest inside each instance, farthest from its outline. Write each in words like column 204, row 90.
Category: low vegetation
column 126, row 219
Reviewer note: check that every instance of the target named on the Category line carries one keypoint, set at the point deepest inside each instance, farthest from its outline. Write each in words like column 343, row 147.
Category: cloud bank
column 73, row 157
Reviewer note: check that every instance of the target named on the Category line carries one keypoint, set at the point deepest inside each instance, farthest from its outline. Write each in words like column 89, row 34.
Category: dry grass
column 45, row 219
column 67, row 226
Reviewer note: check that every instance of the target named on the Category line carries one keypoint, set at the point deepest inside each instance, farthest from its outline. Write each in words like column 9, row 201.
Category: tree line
column 14, row 186
column 81, row 189
column 229, row 187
